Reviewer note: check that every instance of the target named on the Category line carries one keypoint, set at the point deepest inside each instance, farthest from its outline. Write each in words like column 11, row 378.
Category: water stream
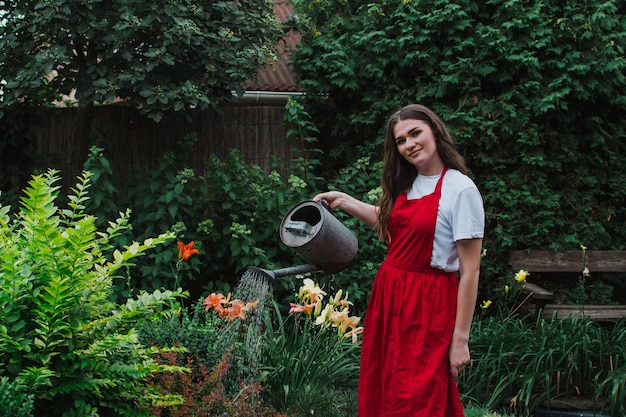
column 253, row 286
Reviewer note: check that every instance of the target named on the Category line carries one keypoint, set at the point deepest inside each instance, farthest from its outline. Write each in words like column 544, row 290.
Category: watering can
column 319, row 237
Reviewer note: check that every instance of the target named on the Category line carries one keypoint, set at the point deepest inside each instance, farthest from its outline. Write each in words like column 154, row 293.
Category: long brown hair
column 398, row 174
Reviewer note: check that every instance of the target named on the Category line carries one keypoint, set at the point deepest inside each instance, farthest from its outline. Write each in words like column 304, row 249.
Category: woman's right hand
column 331, row 199
column 357, row 208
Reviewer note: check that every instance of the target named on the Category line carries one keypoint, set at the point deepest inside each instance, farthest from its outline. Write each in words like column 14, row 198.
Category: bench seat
column 568, row 261
column 600, row 313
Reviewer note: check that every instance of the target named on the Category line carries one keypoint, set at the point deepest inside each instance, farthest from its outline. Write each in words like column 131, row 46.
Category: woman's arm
column 338, row 200
column 469, row 269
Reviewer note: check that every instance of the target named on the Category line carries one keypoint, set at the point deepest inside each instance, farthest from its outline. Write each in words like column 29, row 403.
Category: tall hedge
column 533, row 91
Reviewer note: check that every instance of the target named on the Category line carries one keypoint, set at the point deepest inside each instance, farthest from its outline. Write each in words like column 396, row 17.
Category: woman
column 418, row 319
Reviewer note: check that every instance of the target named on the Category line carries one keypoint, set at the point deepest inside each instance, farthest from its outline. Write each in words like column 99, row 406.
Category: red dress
column 405, row 368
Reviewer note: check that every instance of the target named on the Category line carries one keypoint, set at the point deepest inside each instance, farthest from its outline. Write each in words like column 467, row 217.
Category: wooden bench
column 568, row 261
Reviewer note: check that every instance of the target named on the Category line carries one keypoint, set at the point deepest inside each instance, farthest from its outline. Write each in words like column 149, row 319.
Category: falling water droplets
column 253, row 286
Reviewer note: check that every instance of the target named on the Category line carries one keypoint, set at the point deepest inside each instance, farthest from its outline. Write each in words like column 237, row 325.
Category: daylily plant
column 509, row 292
column 521, row 275
column 185, row 251
column 226, row 307
column 335, row 313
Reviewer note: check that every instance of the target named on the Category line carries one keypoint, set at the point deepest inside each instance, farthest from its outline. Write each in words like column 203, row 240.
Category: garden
column 135, row 296
column 81, row 337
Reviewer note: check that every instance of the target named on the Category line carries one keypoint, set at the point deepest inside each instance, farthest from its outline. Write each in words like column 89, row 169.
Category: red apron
column 408, row 326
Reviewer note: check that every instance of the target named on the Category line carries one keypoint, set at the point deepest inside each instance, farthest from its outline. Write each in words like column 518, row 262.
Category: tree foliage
column 163, row 55
column 533, row 91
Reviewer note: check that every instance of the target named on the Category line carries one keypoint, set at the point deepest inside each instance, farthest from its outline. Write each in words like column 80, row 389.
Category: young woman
column 417, row 323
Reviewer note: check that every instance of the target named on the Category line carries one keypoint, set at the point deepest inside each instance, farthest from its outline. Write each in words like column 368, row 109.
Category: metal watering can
column 319, row 237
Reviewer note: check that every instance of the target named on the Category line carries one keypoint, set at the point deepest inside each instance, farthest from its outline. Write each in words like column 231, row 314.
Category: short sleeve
column 468, row 215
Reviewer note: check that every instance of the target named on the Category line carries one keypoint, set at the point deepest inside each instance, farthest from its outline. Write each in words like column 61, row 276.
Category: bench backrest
column 568, row 261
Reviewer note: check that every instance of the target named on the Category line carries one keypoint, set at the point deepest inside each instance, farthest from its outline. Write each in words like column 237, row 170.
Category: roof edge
column 266, row 97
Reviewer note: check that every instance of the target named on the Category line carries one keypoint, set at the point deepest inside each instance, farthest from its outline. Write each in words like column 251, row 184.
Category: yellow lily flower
column 342, row 303
column 354, row 334
column 310, row 292
column 521, row 275
column 342, row 321
column 338, row 296
column 325, row 315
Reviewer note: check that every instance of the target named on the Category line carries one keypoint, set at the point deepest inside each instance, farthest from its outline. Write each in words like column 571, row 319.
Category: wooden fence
column 133, row 142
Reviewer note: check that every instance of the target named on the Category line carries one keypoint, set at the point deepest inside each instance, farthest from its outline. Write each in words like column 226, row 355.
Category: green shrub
column 15, row 403
column 205, row 393
column 62, row 339
column 232, row 211
column 194, row 329
column 221, row 351
column 207, row 340
column 532, row 92
column 162, row 201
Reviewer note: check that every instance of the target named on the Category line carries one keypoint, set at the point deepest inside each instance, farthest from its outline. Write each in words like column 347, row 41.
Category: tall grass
column 523, row 366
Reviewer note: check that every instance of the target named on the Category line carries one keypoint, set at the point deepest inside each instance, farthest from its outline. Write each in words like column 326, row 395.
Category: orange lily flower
column 225, row 307
column 215, row 301
column 236, row 310
column 185, row 251
column 297, row 308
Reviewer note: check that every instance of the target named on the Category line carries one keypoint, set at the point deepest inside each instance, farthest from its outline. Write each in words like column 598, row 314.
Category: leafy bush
column 162, row 201
column 205, row 393
column 221, row 336
column 532, row 91
column 233, row 212
column 207, row 340
column 197, row 331
column 62, row 339
column 15, row 403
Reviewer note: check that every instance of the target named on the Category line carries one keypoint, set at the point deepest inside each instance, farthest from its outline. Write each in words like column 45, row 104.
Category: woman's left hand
column 459, row 356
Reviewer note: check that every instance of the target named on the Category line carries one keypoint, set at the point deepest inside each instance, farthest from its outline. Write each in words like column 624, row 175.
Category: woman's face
column 416, row 143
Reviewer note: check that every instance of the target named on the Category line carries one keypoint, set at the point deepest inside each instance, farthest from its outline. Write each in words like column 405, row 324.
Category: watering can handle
column 326, row 205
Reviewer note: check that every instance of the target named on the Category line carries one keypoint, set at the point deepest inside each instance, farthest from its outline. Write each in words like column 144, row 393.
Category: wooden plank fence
column 132, row 141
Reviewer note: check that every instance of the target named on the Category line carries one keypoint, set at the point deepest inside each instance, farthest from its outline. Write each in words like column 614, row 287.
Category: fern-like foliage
column 62, row 338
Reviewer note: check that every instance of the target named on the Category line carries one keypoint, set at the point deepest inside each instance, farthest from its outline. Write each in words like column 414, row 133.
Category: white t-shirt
column 461, row 215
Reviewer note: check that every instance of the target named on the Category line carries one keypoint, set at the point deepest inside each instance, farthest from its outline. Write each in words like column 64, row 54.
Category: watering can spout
column 271, row 275
column 318, row 237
